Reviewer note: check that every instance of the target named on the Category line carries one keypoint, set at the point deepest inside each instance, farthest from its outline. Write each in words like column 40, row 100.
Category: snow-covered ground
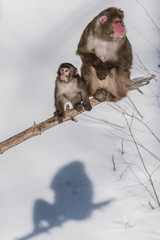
column 64, row 179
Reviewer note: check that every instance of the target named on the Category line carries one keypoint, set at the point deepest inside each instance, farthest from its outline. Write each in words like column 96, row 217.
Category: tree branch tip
column 140, row 91
column 151, row 206
column 74, row 119
column 113, row 161
column 34, row 124
column 153, row 76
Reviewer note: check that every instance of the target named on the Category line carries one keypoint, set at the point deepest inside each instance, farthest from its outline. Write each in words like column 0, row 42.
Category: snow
column 64, row 179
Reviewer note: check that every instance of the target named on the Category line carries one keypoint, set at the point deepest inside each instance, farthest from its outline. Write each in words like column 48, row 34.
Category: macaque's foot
column 78, row 107
column 88, row 107
column 59, row 116
column 111, row 98
column 101, row 74
column 101, row 95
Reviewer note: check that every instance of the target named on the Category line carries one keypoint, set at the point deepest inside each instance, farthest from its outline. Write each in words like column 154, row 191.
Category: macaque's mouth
column 117, row 36
column 64, row 77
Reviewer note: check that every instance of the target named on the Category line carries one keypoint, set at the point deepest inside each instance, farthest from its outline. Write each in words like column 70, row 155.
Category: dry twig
column 149, row 15
column 113, row 161
column 143, row 162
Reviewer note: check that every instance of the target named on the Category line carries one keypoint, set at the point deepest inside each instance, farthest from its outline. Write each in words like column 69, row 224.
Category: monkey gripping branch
column 37, row 129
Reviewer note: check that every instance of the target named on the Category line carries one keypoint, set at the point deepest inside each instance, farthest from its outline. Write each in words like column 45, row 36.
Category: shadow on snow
column 73, row 200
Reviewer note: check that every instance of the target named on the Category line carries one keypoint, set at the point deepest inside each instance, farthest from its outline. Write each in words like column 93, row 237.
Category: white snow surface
column 61, row 185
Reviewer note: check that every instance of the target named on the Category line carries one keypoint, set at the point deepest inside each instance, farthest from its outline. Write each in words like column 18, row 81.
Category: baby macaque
column 106, row 56
column 69, row 87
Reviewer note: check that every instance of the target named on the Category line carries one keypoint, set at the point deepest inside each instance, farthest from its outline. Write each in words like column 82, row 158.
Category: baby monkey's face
column 64, row 74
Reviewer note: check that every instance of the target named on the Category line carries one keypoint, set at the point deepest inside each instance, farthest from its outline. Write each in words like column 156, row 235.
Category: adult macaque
column 70, row 87
column 106, row 55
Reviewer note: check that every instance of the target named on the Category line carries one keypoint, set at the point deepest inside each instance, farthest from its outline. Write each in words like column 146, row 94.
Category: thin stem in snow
column 143, row 163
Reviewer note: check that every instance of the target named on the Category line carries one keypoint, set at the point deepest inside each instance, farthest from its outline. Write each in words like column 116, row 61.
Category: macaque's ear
column 102, row 19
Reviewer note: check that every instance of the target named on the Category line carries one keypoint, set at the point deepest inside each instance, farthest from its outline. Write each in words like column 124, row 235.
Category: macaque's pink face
column 64, row 73
column 119, row 29
column 115, row 26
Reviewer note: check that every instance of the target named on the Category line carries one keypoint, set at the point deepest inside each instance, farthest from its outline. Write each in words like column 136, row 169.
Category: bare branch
column 149, row 16
column 140, row 82
column 122, row 146
column 135, row 107
column 151, row 206
column 37, row 129
column 113, row 161
column 143, row 163
column 138, row 119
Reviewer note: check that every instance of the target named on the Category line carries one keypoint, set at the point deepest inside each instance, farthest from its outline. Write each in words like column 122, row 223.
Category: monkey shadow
column 73, row 200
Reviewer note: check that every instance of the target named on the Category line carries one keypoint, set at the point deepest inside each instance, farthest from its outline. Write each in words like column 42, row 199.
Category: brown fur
column 106, row 57
column 72, row 90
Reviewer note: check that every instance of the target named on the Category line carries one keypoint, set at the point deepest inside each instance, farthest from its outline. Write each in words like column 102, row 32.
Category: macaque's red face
column 64, row 74
column 113, row 28
column 67, row 72
column 119, row 29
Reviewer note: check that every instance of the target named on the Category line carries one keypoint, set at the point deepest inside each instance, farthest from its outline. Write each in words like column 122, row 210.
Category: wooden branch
column 37, row 129
column 140, row 82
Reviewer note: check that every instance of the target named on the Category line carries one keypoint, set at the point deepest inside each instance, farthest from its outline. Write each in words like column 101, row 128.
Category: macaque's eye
column 66, row 70
column 118, row 21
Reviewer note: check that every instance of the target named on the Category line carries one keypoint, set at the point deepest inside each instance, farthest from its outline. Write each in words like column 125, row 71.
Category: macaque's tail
column 34, row 233
column 102, row 204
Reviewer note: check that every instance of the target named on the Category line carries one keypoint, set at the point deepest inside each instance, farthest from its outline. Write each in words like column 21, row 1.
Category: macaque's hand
column 59, row 116
column 88, row 107
column 78, row 107
column 101, row 74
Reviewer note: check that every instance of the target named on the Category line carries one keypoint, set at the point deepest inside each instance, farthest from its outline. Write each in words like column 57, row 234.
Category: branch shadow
column 73, row 200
